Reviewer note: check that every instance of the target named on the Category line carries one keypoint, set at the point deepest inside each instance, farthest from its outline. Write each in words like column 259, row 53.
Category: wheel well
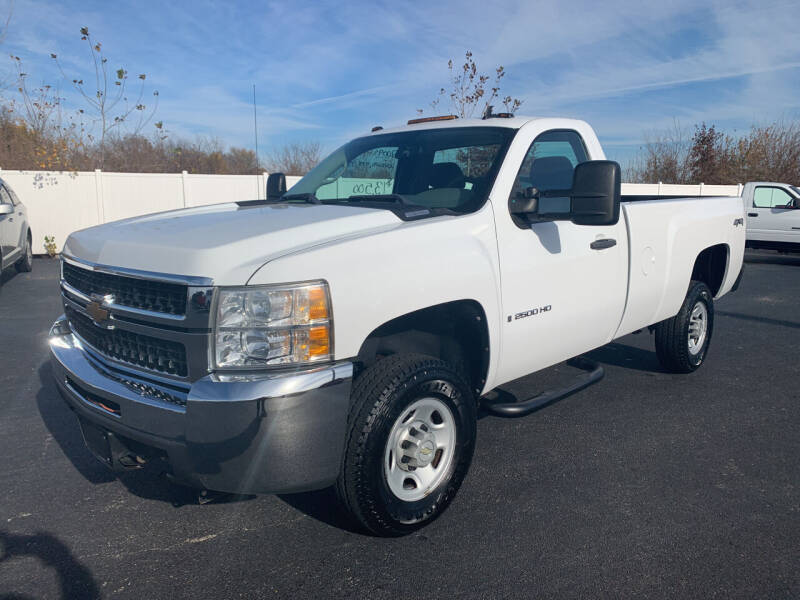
column 455, row 332
column 710, row 267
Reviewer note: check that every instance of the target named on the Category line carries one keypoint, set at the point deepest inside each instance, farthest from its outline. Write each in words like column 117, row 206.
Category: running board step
column 594, row 373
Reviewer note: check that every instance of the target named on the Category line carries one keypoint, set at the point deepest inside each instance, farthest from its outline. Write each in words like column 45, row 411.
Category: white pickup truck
column 773, row 215
column 344, row 333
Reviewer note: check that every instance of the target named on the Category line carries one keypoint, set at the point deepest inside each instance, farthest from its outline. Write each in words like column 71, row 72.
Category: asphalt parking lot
column 646, row 485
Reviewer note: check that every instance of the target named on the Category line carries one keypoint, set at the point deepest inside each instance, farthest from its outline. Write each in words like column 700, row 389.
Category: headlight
column 272, row 325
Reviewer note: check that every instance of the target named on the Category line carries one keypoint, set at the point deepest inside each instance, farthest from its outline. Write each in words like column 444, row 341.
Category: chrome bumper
column 242, row 433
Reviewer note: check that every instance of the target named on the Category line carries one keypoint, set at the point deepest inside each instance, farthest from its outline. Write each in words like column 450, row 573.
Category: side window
column 781, row 198
column 5, row 197
column 771, row 197
column 549, row 165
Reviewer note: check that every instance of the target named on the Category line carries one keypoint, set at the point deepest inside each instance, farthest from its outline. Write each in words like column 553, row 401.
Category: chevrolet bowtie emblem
column 100, row 316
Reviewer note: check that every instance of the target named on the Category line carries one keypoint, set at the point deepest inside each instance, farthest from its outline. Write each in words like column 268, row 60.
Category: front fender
column 379, row 277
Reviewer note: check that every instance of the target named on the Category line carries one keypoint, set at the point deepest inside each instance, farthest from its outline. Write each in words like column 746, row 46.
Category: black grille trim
column 143, row 294
column 102, row 403
column 140, row 387
column 163, row 356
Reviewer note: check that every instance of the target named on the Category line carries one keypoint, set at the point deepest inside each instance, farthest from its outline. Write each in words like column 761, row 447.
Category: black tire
column 379, row 397
column 25, row 264
column 672, row 335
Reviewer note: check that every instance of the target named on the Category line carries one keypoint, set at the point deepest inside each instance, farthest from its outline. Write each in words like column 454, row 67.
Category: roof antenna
column 255, row 134
column 487, row 113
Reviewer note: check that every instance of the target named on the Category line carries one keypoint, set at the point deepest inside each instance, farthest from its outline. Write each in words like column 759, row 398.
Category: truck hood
column 225, row 242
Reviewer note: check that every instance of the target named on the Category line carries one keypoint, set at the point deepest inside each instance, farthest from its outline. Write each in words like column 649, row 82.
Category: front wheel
column 411, row 437
column 682, row 341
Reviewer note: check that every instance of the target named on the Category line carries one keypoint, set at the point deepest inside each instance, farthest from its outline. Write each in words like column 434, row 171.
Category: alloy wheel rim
column 698, row 328
column 420, row 448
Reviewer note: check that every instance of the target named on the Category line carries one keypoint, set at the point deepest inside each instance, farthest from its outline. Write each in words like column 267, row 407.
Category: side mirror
column 276, row 186
column 6, row 209
column 525, row 204
column 595, row 193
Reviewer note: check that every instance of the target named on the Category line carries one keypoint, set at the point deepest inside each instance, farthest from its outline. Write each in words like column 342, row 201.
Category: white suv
column 15, row 232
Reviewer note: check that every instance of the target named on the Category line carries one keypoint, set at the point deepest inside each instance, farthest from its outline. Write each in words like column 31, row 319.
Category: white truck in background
column 340, row 336
column 773, row 215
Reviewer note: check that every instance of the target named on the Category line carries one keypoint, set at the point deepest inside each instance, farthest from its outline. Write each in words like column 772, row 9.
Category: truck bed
column 665, row 237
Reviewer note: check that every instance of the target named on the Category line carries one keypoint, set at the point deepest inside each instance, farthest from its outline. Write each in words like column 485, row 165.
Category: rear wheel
column 411, row 437
column 682, row 341
column 25, row 264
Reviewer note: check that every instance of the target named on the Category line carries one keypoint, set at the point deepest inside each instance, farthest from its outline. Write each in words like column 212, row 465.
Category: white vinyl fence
column 59, row 203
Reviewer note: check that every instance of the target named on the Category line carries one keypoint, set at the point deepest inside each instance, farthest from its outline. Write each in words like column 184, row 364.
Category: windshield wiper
column 308, row 197
column 403, row 208
column 396, row 198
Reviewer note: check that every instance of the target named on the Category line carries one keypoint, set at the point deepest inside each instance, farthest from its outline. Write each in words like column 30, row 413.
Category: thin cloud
column 348, row 96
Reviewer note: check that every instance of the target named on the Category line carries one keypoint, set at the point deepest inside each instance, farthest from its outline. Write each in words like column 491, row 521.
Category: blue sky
column 328, row 71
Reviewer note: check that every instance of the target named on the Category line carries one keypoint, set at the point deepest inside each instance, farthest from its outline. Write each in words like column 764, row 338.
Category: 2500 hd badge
column 531, row 312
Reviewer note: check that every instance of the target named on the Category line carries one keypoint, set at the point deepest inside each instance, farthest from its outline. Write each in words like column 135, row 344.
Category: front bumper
column 242, row 434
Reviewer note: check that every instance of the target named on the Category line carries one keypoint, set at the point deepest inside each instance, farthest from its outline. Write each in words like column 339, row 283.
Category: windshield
column 451, row 169
column 796, row 189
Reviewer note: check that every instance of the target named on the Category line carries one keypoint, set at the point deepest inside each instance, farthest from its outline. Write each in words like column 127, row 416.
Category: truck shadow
column 74, row 579
column 771, row 258
column 614, row 354
column 627, row 357
column 765, row 320
column 149, row 482
column 63, row 426
column 323, row 506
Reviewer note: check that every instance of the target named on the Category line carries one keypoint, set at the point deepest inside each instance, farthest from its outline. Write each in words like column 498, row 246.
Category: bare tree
column 297, row 158
column 765, row 153
column 107, row 98
column 469, row 89
column 663, row 158
column 708, row 155
column 242, row 161
column 56, row 134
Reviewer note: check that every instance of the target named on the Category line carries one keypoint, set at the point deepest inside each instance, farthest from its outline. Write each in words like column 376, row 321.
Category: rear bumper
column 244, row 434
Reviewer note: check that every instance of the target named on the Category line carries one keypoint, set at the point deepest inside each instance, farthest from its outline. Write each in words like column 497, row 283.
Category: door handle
column 602, row 244
column 752, row 214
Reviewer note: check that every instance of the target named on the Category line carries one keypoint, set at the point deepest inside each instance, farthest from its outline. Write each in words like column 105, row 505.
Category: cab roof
column 514, row 122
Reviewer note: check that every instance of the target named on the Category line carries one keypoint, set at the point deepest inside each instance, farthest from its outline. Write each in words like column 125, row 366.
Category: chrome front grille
column 152, row 323
column 141, row 294
column 134, row 349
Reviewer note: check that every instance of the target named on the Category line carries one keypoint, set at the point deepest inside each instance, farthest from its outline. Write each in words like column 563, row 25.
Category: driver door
column 562, row 293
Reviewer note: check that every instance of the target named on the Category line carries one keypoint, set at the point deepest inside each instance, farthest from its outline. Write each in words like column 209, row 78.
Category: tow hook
column 131, row 461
